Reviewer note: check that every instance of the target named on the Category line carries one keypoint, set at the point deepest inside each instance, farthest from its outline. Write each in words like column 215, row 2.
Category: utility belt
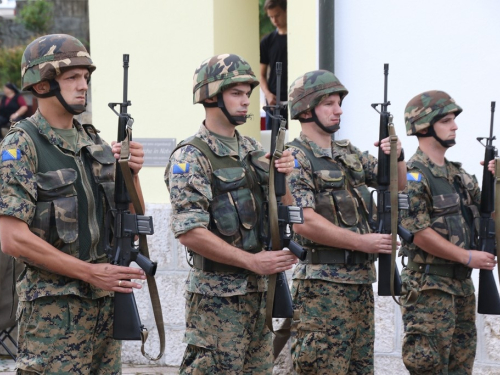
column 455, row 271
column 337, row 256
column 207, row 265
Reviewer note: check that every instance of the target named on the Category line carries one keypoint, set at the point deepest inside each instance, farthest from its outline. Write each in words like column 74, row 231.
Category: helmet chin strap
column 329, row 129
column 432, row 133
column 235, row 120
column 55, row 90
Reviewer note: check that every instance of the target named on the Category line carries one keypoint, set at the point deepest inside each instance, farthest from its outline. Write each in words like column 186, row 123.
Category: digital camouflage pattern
column 420, row 216
column 440, row 331
column 227, row 335
column 220, row 306
column 219, row 71
column 421, row 110
column 67, row 335
column 302, row 185
column 336, row 331
column 307, row 91
column 20, row 187
column 44, row 58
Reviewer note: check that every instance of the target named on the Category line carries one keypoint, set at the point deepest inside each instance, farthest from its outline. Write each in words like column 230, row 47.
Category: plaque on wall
column 157, row 150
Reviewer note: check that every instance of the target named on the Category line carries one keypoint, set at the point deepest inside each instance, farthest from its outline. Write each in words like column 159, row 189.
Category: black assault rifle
column 126, row 225
column 382, row 223
column 488, row 299
column 279, row 216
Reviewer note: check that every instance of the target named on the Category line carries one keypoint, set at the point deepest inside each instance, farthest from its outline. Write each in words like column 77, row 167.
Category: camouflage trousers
column 440, row 334
column 227, row 335
column 336, row 331
column 67, row 335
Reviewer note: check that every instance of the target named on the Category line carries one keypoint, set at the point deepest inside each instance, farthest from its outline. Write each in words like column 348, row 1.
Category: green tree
column 265, row 25
column 37, row 16
column 10, row 65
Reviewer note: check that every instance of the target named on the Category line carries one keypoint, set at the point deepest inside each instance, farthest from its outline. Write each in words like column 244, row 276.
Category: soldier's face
column 446, row 127
column 329, row 111
column 74, row 85
column 237, row 99
column 277, row 16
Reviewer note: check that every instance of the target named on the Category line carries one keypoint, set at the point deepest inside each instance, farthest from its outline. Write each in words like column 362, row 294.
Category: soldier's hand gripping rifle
column 126, row 226
column 488, row 298
column 388, row 201
column 280, row 217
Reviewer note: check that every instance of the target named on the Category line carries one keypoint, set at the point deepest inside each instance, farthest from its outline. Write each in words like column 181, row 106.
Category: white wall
column 450, row 45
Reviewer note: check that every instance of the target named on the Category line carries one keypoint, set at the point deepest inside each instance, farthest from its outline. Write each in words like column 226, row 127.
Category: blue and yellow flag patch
column 296, row 163
column 11, row 154
column 181, row 168
column 413, row 176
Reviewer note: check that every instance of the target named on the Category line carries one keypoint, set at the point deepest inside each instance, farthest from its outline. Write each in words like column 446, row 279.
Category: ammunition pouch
column 455, row 271
column 337, row 256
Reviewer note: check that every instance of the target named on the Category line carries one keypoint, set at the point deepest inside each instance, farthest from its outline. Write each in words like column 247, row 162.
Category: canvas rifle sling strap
column 497, row 209
column 143, row 247
column 393, row 190
column 281, row 335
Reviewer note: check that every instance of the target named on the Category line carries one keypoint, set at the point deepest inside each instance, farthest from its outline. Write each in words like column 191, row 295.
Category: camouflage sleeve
column 190, row 189
column 300, row 181
column 369, row 163
column 17, row 177
column 417, row 217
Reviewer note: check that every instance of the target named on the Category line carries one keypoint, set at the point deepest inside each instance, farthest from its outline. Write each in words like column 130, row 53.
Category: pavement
column 7, row 367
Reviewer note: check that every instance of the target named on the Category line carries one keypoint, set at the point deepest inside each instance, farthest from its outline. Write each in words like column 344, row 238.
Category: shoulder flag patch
column 296, row 163
column 180, row 168
column 413, row 176
column 11, row 154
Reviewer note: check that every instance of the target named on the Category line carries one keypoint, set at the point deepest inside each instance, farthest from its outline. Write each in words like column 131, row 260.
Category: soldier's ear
column 41, row 87
column 305, row 115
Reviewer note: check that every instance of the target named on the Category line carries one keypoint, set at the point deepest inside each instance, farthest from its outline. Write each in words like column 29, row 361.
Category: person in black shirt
column 273, row 48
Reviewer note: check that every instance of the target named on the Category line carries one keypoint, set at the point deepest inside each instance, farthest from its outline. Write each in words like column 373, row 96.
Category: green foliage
column 37, row 16
column 265, row 25
column 10, row 65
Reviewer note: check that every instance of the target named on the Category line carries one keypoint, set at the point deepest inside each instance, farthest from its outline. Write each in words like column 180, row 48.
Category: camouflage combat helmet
column 219, row 71
column 45, row 56
column 307, row 91
column 423, row 109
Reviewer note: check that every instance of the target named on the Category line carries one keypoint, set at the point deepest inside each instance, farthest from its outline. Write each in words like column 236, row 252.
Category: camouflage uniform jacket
column 442, row 213
column 48, row 201
column 356, row 169
column 190, row 180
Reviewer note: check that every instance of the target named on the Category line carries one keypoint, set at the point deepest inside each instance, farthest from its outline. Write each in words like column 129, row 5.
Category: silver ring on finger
column 119, row 283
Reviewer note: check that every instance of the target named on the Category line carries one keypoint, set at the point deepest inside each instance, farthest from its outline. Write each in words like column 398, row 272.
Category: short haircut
column 270, row 4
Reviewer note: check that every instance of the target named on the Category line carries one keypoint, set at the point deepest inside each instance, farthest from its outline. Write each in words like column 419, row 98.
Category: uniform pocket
column 56, row 206
column 346, row 207
column 103, row 163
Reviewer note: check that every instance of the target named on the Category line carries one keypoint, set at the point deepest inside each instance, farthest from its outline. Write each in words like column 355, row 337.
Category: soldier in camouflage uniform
column 440, row 330
column 332, row 287
column 217, row 181
column 57, row 180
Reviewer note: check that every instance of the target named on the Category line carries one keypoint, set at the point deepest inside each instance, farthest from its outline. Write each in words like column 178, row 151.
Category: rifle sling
column 497, row 209
column 143, row 248
column 393, row 190
column 281, row 336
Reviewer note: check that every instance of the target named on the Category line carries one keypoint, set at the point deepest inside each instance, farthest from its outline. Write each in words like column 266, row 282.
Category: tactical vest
column 238, row 191
column 452, row 216
column 71, row 205
column 341, row 197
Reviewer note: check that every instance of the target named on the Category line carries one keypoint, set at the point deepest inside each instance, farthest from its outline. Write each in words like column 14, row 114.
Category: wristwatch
column 401, row 156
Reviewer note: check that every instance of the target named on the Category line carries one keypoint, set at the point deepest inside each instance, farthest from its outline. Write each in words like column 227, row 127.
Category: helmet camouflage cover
column 219, row 71
column 307, row 91
column 423, row 108
column 45, row 56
